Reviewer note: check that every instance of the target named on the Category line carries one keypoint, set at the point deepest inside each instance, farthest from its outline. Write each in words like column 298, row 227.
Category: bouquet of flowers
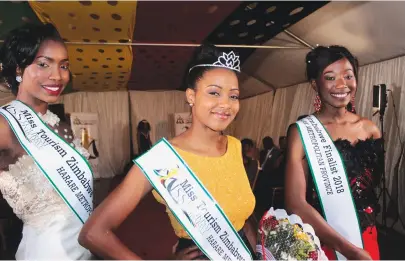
column 284, row 237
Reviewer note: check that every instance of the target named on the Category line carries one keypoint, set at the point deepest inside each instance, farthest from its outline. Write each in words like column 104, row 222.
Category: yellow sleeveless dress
column 226, row 180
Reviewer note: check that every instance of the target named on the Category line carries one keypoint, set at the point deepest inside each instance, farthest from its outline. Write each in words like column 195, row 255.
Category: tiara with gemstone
column 226, row 60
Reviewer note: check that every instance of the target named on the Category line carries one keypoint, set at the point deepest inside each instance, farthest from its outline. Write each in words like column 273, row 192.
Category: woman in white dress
column 34, row 65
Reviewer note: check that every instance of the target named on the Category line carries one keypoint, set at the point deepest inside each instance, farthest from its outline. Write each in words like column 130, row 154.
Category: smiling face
column 337, row 84
column 48, row 75
column 215, row 99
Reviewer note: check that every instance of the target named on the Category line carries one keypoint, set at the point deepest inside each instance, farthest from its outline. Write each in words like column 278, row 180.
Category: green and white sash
column 191, row 203
column 329, row 174
column 66, row 169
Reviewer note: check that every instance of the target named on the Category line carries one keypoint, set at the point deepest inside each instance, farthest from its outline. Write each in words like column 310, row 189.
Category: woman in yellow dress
column 216, row 159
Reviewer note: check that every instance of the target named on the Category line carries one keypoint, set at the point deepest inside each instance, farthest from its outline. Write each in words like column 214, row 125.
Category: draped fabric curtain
column 271, row 113
column 390, row 73
column 253, row 119
column 283, row 102
column 113, row 129
column 303, row 103
column 158, row 109
column 6, row 97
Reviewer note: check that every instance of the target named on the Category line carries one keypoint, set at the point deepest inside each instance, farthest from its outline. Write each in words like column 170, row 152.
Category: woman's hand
column 189, row 253
column 250, row 232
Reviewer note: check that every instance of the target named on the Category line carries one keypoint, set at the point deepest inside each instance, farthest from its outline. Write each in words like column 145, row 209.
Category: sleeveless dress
column 363, row 162
column 50, row 229
column 226, row 180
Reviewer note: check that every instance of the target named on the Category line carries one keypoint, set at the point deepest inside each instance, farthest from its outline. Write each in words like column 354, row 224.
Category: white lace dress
column 50, row 229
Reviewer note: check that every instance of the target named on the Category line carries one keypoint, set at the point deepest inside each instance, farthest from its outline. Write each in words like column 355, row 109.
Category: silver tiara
column 226, row 60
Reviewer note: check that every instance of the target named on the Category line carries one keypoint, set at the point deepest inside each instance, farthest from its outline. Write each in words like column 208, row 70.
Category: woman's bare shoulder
column 371, row 128
column 179, row 141
column 7, row 153
column 175, row 141
column 5, row 134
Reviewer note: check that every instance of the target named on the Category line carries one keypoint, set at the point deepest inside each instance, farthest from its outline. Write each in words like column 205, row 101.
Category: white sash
column 65, row 168
column 329, row 174
column 191, row 203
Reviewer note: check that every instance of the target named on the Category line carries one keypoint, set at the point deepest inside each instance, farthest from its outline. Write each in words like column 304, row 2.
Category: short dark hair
column 321, row 57
column 248, row 142
column 268, row 142
column 20, row 49
column 143, row 126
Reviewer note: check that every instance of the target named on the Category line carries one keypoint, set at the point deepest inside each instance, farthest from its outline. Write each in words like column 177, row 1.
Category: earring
column 18, row 78
column 353, row 106
column 317, row 103
column 191, row 104
column 5, row 82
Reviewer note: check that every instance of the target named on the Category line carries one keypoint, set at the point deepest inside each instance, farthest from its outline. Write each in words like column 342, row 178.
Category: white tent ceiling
column 372, row 31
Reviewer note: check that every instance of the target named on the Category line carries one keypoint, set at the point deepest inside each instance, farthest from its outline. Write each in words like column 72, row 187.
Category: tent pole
column 131, row 142
column 298, row 39
column 186, row 45
column 189, row 45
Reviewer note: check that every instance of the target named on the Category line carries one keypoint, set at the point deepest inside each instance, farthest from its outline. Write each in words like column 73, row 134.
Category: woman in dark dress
column 332, row 72
column 144, row 142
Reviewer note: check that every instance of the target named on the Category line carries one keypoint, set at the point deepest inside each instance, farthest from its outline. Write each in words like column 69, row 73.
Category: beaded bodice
column 363, row 162
column 27, row 190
